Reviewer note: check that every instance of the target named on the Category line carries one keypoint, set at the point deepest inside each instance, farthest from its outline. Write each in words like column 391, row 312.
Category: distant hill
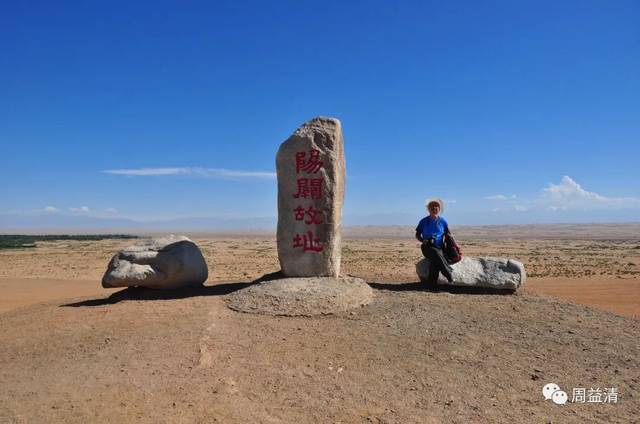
column 386, row 225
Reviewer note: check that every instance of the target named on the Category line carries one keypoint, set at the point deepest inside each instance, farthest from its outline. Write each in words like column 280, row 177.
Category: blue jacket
column 436, row 228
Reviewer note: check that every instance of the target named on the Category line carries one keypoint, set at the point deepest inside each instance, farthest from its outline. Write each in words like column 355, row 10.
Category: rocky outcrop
column 302, row 296
column 161, row 263
column 311, row 178
column 493, row 273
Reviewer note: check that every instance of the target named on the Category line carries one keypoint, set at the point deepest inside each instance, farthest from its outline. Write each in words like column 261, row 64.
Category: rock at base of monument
column 492, row 273
column 161, row 263
column 302, row 296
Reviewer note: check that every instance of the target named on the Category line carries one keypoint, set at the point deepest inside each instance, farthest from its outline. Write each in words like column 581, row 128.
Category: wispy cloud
column 70, row 210
column 147, row 171
column 496, row 197
column 500, row 197
column 512, row 208
column 81, row 209
column 198, row 172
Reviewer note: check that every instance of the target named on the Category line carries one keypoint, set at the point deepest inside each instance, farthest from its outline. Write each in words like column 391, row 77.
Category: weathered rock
column 161, row 263
column 311, row 177
column 302, row 296
column 494, row 273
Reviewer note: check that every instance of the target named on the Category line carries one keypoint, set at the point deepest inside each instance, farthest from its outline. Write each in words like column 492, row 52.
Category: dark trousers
column 437, row 264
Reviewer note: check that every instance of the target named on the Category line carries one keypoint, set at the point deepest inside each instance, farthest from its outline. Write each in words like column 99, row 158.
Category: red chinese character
column 303, row 188
column 315, row 188
column 310, row 166
column 299, row 213
column 314, row 216
column 309, row 187
column 308, row 242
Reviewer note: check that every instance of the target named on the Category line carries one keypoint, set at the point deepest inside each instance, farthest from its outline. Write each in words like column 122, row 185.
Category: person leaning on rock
column 430, row 231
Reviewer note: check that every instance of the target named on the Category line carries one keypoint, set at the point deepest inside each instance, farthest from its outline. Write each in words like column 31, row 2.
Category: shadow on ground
column 439, row 288
column 142, row 293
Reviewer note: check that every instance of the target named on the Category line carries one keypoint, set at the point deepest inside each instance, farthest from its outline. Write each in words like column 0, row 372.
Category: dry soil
column 73, row 352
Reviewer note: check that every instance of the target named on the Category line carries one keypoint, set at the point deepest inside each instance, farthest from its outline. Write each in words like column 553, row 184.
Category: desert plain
column 71, row 351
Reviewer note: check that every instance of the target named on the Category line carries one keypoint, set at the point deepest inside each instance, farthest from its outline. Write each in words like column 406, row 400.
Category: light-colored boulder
column 494, row 273
column 311, row 177
column 161, row 263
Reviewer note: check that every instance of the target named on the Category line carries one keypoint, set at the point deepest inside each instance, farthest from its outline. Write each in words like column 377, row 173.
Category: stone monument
column 311, row 177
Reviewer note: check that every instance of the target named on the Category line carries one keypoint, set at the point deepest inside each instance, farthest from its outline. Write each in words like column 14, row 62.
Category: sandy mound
column 302, row 296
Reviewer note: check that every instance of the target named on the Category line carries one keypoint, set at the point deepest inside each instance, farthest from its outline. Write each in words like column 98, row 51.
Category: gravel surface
column 409, row 356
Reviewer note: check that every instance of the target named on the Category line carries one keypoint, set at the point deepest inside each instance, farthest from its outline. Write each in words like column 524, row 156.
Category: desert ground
column 71, row 351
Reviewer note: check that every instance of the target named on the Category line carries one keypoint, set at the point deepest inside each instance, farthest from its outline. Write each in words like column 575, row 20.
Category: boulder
column 160, row 263
column 311, row 177
column 493, row 273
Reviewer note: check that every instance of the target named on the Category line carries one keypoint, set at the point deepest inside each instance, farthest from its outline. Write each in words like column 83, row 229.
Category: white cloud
column 514, row 208
column 200, row 172
column 568, row 194
column 51, row 209
column 500, row 197
column 81, row 209
column 147, row 171
column 570, row 190
column 111, row 210
column 227, row 173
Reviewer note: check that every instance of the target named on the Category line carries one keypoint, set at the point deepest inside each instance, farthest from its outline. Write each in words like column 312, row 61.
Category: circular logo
column 548, row 389
column 559, row 397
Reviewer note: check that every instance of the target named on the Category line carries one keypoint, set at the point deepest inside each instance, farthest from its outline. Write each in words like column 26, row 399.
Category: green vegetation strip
column 18, row 241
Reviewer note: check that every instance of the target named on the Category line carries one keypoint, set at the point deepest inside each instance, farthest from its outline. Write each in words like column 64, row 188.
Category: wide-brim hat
column 434, row 199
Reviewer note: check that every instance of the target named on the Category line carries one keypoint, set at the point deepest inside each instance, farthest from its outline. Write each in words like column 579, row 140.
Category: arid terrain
column 71, row 351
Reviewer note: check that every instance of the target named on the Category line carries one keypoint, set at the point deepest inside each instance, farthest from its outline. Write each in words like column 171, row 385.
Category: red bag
column 451, row 250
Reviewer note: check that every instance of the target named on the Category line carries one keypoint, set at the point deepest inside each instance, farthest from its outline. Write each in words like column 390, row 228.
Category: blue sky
column 511, row 111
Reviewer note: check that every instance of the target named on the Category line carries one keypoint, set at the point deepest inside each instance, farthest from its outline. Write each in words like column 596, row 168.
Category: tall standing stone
column 311, row 176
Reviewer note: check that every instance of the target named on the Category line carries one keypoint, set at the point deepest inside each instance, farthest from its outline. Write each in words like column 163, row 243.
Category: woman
column 430, row 231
